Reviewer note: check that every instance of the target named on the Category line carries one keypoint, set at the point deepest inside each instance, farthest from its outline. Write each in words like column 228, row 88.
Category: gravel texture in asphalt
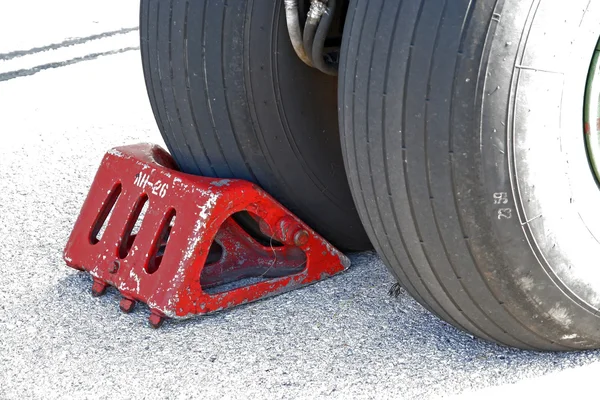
column 342, row 338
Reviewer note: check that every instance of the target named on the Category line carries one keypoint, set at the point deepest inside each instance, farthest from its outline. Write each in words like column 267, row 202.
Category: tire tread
column 202, row 83
column 407, row 216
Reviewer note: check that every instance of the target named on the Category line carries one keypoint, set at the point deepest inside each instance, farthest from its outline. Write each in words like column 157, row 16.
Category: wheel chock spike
column 127, row 305
column 156, row 320
column 98, row 288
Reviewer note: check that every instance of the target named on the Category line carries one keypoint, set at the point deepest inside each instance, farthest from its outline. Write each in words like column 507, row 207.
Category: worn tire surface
column 232, row 100
column 462, row 128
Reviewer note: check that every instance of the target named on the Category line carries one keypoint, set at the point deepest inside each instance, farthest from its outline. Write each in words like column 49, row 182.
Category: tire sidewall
column 541, row 194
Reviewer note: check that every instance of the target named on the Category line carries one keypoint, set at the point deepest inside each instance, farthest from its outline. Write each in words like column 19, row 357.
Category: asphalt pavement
column 71, row 87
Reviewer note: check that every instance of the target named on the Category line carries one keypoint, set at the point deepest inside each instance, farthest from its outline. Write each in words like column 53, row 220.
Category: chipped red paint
column 176, row 283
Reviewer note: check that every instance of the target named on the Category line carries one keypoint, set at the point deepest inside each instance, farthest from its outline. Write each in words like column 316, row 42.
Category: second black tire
column 232, row 100
column 463, row 135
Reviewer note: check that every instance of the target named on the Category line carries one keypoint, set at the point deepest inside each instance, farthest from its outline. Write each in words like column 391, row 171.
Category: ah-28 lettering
column 158, row 188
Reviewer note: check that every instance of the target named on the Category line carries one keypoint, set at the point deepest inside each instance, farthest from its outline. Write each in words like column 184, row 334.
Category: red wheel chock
column 204, row 244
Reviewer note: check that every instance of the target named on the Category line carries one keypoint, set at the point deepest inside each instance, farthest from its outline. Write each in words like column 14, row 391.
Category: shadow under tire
column 232, row 100
column 463, row 137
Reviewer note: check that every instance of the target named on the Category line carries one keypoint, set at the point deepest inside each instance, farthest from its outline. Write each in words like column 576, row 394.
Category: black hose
column 310, row 45
column 316, row 50
column 294, row 30
column 310, row 28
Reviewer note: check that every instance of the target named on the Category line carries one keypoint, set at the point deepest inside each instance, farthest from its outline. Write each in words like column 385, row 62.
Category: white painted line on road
column 56, row 56
column 65, row 43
